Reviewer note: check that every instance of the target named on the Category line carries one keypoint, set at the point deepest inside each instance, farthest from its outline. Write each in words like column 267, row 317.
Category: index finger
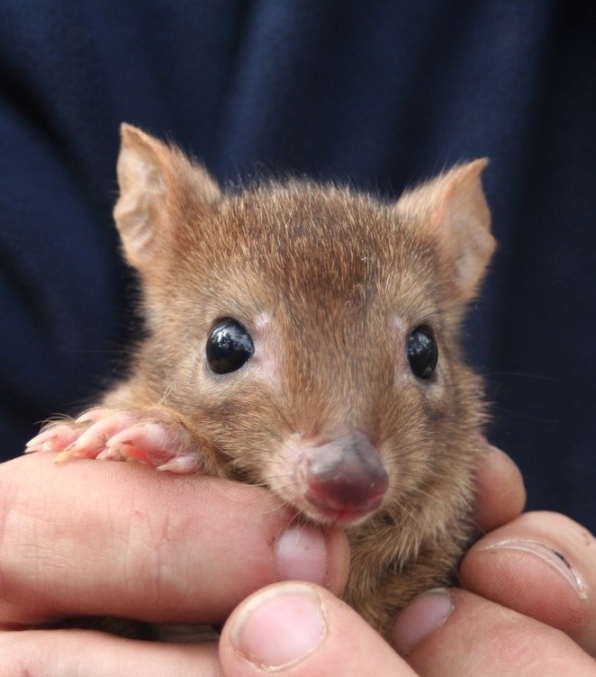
column 500, row 492
column 119, row 539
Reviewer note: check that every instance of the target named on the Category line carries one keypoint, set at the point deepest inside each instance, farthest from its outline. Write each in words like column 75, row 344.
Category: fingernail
column 554, row 559
column 423, row 616
column 280, row 627
column 301, row 555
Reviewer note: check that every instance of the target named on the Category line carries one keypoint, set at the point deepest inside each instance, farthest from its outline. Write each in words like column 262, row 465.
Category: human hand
column 346, row 648
column 103, row 539
column 528, row 608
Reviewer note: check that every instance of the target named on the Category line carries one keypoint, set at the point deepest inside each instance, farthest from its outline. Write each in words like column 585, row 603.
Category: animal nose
column 346, row 474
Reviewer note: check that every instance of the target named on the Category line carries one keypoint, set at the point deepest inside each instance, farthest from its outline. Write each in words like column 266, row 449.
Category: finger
column 121, row 539
column 301, row 630
column 542, row 565
column 500, row 493
column 455, row 633
column 45, row 653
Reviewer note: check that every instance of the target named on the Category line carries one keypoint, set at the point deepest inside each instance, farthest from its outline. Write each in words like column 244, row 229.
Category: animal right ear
column 155, row 180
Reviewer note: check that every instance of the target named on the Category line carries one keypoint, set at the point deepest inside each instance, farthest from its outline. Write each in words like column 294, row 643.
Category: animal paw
column 150, row 436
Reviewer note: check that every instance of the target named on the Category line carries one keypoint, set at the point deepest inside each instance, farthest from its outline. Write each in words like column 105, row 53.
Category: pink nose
column 346, row 474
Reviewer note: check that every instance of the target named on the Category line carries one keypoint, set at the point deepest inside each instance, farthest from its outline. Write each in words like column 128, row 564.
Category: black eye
column 422, row 352
column 229, row 346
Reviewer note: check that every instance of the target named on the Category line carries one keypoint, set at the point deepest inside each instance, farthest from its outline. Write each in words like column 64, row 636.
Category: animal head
column 310, row 332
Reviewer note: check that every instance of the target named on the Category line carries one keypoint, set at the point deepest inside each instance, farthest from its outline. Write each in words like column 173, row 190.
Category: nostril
column 346, row 474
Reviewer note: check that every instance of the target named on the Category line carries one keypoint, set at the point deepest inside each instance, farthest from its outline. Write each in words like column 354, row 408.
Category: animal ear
column 452, row 211
column 156, row 183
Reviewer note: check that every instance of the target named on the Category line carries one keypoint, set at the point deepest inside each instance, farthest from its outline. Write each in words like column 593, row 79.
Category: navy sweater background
column 380, row 94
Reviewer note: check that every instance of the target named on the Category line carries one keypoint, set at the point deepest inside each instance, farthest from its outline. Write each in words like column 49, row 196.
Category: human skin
column 73, row 542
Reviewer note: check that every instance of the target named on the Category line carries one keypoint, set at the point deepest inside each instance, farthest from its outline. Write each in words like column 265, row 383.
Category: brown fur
column 329, row 283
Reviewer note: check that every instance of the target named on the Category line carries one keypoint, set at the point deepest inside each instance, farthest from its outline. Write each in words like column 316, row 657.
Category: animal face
column 310, row 332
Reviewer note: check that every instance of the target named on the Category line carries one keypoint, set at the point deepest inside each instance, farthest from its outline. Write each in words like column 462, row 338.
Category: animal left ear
column 452, row 211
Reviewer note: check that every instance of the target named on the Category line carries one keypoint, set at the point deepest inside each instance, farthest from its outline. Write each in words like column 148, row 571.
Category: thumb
column 302, row 630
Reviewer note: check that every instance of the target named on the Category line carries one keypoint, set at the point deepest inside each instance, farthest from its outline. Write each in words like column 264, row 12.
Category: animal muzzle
column 345, row 476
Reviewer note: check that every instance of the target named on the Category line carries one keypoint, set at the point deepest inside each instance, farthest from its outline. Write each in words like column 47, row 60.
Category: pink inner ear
column 142, row 186
column 470, row 244
column 453, row 211
column 152, row 177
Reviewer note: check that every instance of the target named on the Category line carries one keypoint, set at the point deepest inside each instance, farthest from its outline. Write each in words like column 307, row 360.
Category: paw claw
column 93, row 415
column 184, row 464
column 160, row 445
column 104, row 434
column 111, row 454
column 56, row 438
column 63, row 456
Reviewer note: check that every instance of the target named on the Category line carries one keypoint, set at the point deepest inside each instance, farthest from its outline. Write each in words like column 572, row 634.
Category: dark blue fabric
column 379, row 94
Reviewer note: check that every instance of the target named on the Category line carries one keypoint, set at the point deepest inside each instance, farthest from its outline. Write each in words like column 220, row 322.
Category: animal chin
column 342, row 514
